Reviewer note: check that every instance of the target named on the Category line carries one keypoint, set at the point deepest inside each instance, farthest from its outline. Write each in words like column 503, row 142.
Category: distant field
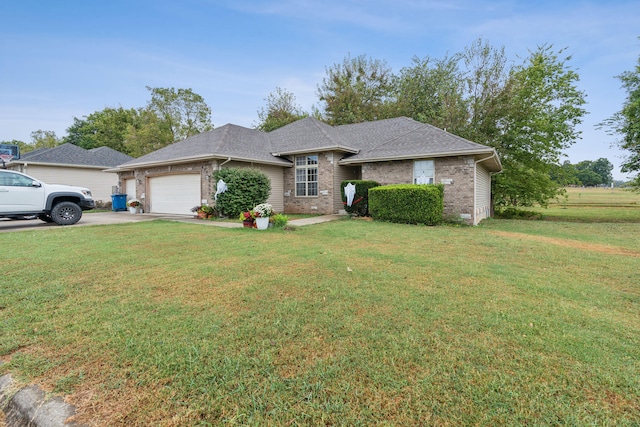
column 601, row 197
column 595, row 205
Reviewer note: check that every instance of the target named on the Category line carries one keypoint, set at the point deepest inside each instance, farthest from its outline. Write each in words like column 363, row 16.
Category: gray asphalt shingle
column 69, row 154
column 361, row 142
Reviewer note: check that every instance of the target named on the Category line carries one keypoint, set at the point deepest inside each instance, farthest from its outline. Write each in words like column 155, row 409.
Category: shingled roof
column 309, row 134
column 383, row 140
column 73, row 155
column 228, row 141
column 409, row 140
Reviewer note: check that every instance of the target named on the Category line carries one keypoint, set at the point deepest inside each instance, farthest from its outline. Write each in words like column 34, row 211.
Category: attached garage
column 174, row 194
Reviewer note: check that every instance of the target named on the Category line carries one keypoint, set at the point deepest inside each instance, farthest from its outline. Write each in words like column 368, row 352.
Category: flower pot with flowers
column 247, row 219
column 262, row 212
column 134, row 206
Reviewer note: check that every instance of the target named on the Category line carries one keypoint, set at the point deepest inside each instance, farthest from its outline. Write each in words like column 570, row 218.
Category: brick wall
column 385, row 173
column 459, row 193
column 323, row 203
column 457, row 173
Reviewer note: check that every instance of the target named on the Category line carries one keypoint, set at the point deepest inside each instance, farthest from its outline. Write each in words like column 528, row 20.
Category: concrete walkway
column 295, row 222
column 103, row 218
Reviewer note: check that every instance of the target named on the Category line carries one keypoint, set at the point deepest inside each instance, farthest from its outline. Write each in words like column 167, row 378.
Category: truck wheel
column 66, row 213
column 45, row 218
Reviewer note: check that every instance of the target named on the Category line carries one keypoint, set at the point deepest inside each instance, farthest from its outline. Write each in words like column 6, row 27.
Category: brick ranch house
column 308, row 159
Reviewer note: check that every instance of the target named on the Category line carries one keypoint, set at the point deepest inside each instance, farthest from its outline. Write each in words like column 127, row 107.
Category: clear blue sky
column 61, row 59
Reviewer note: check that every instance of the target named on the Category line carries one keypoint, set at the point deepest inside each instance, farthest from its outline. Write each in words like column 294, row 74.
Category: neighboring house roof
column 73, row 155
column 391, row 139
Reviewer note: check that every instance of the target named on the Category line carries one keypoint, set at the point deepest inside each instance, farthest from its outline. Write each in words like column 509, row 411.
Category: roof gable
column 366, row 135
column 306, row 135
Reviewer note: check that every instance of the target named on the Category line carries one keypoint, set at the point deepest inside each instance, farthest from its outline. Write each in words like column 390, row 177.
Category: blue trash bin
column 118, row 202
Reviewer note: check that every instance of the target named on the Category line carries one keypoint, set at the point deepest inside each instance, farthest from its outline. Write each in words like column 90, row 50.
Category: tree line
column 587, row 173
column 528, row 111
column 169, row 116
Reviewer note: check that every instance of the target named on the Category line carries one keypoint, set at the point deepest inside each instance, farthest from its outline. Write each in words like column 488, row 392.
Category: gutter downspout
column 224, row 163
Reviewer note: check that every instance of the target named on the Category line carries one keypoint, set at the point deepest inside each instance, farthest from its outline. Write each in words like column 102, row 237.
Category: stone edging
column 29, row 406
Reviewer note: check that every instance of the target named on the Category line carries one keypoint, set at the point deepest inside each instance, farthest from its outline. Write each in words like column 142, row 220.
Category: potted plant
column 247, row 219
column 208, row 210
column 134, row 205
column 262, row 212
column 203, row 211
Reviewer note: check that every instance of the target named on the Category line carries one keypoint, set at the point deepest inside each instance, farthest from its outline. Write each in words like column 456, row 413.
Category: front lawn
column 342, row 323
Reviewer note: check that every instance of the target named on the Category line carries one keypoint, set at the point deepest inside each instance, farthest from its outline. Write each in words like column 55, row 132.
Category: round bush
column 246, row 188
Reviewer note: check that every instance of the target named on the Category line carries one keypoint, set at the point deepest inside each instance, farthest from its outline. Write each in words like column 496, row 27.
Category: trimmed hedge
column 360, row 205
column 408, row 203
column 247, row 187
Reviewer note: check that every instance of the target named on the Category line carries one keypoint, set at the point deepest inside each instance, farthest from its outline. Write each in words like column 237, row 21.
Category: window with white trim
column 307, row 175
column 423, row 172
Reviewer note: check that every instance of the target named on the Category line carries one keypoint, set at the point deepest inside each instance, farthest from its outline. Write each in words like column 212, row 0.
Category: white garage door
column 174, row 194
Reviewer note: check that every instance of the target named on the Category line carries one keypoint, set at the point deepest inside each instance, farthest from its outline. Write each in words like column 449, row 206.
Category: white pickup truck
column 22, row 196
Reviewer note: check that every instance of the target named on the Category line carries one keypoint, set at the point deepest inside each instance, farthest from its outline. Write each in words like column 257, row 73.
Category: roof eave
column 349, row 161
column 190, row 159
column 57, row 165
column 317, row 149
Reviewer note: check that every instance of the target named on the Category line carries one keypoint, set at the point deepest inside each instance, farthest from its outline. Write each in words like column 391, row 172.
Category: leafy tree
column 146, row 133
column 626, row 122
column 44, row 139
column 603, row 167
column 592, row 173
column 431, row 91
column 534, row 119
column 358, row 90
column 281, row 110
column 589, row 178
column 564, row 175
column 484, row 78
column 185, row 111
column 105, row 128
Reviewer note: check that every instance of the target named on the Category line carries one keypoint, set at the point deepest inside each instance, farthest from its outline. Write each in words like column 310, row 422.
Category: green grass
column 343, row 323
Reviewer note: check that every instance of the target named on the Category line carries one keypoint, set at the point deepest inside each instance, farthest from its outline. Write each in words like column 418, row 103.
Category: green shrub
column 515, row 213
column 360, row 205
column 246, row 188
column 407, row 203
column 279, row 220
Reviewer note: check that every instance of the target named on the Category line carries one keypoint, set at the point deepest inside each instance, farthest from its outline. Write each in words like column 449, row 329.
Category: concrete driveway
column 88, row 218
